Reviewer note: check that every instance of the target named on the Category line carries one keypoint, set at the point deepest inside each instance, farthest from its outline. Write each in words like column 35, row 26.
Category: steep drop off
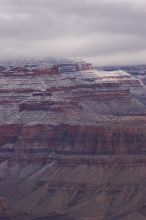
column 72, row 147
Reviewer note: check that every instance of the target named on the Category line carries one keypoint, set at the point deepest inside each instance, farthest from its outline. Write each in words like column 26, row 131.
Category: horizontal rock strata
column 72, row 146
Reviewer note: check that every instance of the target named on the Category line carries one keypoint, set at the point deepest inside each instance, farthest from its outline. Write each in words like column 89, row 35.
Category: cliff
column 72, row 146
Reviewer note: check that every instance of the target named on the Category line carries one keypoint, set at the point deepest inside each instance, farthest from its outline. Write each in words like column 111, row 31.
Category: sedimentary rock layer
column 72, row 146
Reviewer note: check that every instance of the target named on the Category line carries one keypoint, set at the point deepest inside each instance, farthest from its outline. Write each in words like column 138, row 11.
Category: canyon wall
column 72, row 146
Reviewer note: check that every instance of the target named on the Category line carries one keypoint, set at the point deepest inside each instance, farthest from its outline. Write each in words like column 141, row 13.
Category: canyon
column 72, row 146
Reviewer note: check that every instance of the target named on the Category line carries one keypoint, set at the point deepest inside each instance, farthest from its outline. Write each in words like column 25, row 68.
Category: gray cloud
column 105, row 31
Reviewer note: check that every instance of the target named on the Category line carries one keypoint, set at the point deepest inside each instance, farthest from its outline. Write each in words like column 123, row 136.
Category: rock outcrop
column 72, row 146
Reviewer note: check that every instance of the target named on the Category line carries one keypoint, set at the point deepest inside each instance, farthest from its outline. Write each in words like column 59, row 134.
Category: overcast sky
column 102, row 31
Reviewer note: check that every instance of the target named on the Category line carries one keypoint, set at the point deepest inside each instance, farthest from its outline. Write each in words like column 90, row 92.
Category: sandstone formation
column 72, row 146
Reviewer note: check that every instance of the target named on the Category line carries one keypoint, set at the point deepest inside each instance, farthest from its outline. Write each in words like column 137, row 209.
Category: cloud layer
column 103, row 31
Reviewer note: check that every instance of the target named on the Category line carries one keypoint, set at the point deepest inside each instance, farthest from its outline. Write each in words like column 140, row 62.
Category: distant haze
column 102, row 31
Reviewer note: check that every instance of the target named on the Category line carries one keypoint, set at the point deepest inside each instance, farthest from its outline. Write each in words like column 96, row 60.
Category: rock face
column 72, row 146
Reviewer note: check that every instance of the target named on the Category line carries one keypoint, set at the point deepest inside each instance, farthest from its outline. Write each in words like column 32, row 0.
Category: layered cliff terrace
column 73, row 118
